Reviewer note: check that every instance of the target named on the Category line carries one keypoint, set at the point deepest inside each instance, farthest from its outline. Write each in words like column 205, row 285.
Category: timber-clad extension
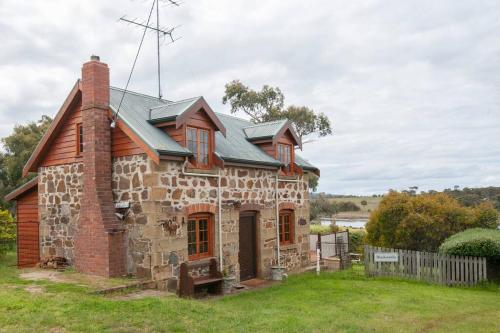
column 160, row 184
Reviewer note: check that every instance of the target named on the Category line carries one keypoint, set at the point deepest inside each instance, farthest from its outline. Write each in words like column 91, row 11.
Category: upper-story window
column 285, row 155
column 79, row 139
column 198, row 142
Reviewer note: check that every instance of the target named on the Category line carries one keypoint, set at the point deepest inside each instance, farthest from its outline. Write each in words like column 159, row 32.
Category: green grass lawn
column 334, row 302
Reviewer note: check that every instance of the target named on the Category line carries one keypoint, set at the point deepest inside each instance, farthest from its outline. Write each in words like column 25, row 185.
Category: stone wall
column 157, row 221
column 59, row 194
column 160, row 197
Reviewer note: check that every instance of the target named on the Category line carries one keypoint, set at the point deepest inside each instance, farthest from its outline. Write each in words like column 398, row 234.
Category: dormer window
column 285, row 155
column 198, row 142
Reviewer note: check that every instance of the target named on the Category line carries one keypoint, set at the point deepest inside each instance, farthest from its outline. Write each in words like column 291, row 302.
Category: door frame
column 256, row 215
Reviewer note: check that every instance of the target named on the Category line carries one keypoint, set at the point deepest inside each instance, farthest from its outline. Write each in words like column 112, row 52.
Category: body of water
column 352, row 223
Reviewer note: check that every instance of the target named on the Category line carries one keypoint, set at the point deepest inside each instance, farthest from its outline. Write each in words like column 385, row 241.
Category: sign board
column 122, row 205
column 386, row 257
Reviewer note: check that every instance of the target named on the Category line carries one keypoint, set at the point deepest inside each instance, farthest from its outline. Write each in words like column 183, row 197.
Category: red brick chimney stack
column 100, row 239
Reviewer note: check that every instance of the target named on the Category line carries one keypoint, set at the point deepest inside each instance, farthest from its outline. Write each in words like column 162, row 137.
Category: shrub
column 476, row 242
column 348, row 206
column 363, row 203
column 7, row 231
column 322, row 206
column 356, row 240
column 323, row 229
column 423, row 222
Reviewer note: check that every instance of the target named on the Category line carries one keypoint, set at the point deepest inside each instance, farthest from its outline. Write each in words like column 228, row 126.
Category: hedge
column 474, row 242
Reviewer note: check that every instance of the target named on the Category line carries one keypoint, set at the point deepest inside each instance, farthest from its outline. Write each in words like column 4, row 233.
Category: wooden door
column 248, row 255
column 28, row 239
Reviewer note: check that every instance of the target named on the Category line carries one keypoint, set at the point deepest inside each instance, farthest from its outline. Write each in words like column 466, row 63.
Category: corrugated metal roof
column 172, row 109
column 235, row 147
column 264, row 130
column 134, row 111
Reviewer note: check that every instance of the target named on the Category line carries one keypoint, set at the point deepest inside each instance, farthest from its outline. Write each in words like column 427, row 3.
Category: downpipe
column 278, row 180
column 219, row 199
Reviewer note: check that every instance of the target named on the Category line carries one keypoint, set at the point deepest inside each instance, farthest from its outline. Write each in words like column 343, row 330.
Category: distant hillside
column 473, row 196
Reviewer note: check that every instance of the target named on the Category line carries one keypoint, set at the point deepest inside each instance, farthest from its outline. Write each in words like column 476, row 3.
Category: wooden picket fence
column 427, row 266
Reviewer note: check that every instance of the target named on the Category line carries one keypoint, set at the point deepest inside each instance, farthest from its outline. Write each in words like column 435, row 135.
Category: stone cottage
column 131, row 184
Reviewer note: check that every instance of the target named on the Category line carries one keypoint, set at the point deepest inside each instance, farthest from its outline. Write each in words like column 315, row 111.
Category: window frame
column 79, row 139
column 288, row 168
column 210, row 226
column 281, row 225
column 195, row 160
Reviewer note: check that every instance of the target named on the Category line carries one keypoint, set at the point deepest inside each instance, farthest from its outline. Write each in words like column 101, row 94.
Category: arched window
column 200, row 235
column 286, row 226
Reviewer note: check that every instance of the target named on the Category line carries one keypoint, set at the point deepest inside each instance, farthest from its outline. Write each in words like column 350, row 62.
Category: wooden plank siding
column 28, row 240
column 122, row 144
column 198, row 119
column 63, row 150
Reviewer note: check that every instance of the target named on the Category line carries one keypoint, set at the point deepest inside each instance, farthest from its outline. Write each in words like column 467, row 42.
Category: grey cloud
column 410, row 86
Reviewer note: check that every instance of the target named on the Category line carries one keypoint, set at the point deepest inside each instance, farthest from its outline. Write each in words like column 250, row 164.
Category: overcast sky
column 412, row 87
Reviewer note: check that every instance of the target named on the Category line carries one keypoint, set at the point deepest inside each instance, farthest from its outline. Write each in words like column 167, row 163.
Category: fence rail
column 424, row 266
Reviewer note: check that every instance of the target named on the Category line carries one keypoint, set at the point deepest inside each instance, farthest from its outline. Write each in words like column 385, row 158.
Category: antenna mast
column 160, row 32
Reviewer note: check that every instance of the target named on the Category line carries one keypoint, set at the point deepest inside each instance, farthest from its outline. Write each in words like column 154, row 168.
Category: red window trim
column 198, row 217
column 194, row 161
column 291, row 217
column 79, row 143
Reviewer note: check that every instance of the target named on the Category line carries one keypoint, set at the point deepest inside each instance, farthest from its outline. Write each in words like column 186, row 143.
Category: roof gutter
column 250, row 162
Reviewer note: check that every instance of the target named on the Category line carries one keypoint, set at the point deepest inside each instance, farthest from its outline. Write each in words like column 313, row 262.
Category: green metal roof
column 235, row 147
column 171, row 110
column 134, row 111
column 264, row 130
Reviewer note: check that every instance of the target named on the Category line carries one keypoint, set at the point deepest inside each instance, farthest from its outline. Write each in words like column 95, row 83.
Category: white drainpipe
column 218, row 176
column 278, row 213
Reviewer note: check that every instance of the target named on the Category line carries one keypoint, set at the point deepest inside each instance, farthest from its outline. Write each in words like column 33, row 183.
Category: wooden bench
column 189, row 286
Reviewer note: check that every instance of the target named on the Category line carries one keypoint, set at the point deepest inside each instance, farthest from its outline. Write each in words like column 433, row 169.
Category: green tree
column 313, row 182
column 7, row 231
column 18, row 147
column 268, row 105
column 422, row 222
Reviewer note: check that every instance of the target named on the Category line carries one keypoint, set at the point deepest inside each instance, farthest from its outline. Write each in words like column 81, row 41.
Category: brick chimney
column 100, row 238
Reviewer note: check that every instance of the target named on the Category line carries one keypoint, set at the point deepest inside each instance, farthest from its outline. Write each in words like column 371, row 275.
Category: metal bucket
column 277, row 273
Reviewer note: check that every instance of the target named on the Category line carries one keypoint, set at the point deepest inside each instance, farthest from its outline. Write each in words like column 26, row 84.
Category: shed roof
column 26, row 187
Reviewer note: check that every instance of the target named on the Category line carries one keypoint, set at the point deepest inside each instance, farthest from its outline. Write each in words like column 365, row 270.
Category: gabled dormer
column 192, row 124
column 278, row 139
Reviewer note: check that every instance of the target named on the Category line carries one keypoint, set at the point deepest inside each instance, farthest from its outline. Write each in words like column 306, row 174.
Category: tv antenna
column 161, row 32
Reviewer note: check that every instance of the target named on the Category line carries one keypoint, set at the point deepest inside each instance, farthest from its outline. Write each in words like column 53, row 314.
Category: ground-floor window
column 286, row 227
column 200, row 236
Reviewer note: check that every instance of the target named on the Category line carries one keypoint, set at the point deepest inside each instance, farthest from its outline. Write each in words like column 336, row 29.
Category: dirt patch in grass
column 91, row 281
column 34, row 289
column 140, row 294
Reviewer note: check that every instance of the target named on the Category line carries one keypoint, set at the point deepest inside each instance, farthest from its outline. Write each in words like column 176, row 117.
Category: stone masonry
column 59, row 194
column 160, row 197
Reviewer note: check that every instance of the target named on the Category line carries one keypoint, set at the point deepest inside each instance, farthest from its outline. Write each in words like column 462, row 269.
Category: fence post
column 367, row 260
column 318, row 254
column 319, row 245
column 418, row 262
